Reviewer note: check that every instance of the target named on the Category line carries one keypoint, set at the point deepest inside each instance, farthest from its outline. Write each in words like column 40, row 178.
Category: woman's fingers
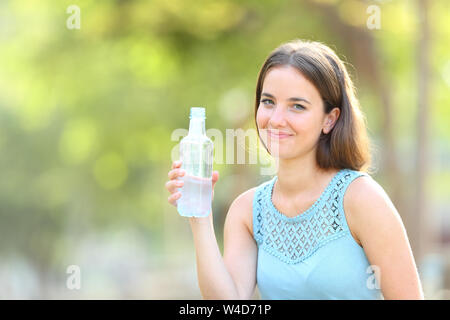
column 176, row 170
column 215, row 177
column 176, row 164
column 173, row 185
column 175, row 173
column 173, row 198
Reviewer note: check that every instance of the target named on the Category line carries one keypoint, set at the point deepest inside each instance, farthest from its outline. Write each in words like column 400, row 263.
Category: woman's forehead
column 287, row 82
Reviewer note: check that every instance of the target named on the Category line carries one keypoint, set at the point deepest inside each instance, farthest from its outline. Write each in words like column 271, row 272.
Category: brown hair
column 347, row 144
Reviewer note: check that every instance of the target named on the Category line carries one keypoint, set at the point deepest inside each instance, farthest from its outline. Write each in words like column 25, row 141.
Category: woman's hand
column 174, row 183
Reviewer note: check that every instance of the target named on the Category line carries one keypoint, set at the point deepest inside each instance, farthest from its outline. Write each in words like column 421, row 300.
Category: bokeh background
column 87, row 116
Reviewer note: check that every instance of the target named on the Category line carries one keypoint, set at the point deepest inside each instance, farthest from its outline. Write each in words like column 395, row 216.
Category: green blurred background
column 87, row 116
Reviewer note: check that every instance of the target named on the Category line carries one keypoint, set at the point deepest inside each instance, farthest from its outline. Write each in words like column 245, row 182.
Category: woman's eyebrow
column 290, row 99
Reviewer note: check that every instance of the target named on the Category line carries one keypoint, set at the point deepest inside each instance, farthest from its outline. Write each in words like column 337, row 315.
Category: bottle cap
column 197, row 112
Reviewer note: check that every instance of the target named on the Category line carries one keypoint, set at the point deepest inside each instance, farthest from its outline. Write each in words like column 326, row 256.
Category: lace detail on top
column 294, row 239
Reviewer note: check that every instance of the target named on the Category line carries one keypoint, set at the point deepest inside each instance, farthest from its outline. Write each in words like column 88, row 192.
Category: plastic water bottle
column 196, row 153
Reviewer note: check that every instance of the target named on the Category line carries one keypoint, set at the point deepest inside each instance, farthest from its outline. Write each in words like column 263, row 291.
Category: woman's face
column 291, row 115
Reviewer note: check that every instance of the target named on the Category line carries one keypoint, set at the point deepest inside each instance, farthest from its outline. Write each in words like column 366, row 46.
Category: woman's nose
column 278, row 117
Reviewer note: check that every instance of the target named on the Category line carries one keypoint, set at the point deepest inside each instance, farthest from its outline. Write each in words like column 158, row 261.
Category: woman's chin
column 283, row 153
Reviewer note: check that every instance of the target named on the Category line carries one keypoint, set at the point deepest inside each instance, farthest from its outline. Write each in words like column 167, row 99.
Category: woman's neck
column 300, row 175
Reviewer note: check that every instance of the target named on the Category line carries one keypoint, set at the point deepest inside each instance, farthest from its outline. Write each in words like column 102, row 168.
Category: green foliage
column 86, row 115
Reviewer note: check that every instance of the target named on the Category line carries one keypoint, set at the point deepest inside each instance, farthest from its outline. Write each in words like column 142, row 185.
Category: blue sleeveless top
column 312, row 255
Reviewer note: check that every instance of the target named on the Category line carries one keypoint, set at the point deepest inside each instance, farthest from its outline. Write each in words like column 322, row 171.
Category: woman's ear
column 330, row 120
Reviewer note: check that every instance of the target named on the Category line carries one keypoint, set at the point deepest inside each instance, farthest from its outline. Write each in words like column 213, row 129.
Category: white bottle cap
column 197, row 112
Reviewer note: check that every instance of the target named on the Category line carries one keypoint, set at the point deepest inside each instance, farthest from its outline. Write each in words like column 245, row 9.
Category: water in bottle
column 196, row 153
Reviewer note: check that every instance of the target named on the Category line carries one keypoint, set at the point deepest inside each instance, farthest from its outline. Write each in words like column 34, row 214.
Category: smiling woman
column 322, row 228
column 314, row 70
column 319, row 230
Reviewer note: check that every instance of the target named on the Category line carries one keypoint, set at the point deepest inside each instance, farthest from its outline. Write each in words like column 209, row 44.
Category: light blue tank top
column 312, row 255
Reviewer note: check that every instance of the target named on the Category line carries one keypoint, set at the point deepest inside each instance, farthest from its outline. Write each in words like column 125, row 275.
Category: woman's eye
column 266, row 101
column 298, row 107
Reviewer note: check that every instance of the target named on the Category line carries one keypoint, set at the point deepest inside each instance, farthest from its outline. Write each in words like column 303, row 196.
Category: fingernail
column 182, row 172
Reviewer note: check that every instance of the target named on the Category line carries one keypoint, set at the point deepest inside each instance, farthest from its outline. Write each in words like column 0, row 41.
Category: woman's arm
column 233, row 276
column 378, row 226
column 240, row 249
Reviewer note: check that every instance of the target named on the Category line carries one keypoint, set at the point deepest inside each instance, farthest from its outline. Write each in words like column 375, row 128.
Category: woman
column 322, row 228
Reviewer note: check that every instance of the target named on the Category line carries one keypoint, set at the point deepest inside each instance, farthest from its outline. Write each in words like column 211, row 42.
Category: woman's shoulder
column 364, row 189
column 242, row 206
column 366, row 200
column 246, row 198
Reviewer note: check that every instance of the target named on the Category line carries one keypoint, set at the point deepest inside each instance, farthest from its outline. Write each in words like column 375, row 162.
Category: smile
column 279, row 136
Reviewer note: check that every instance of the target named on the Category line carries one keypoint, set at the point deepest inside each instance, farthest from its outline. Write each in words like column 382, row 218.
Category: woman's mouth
column 278, row 135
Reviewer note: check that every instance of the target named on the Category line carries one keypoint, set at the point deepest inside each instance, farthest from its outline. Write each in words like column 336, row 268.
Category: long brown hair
column 347, row 144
